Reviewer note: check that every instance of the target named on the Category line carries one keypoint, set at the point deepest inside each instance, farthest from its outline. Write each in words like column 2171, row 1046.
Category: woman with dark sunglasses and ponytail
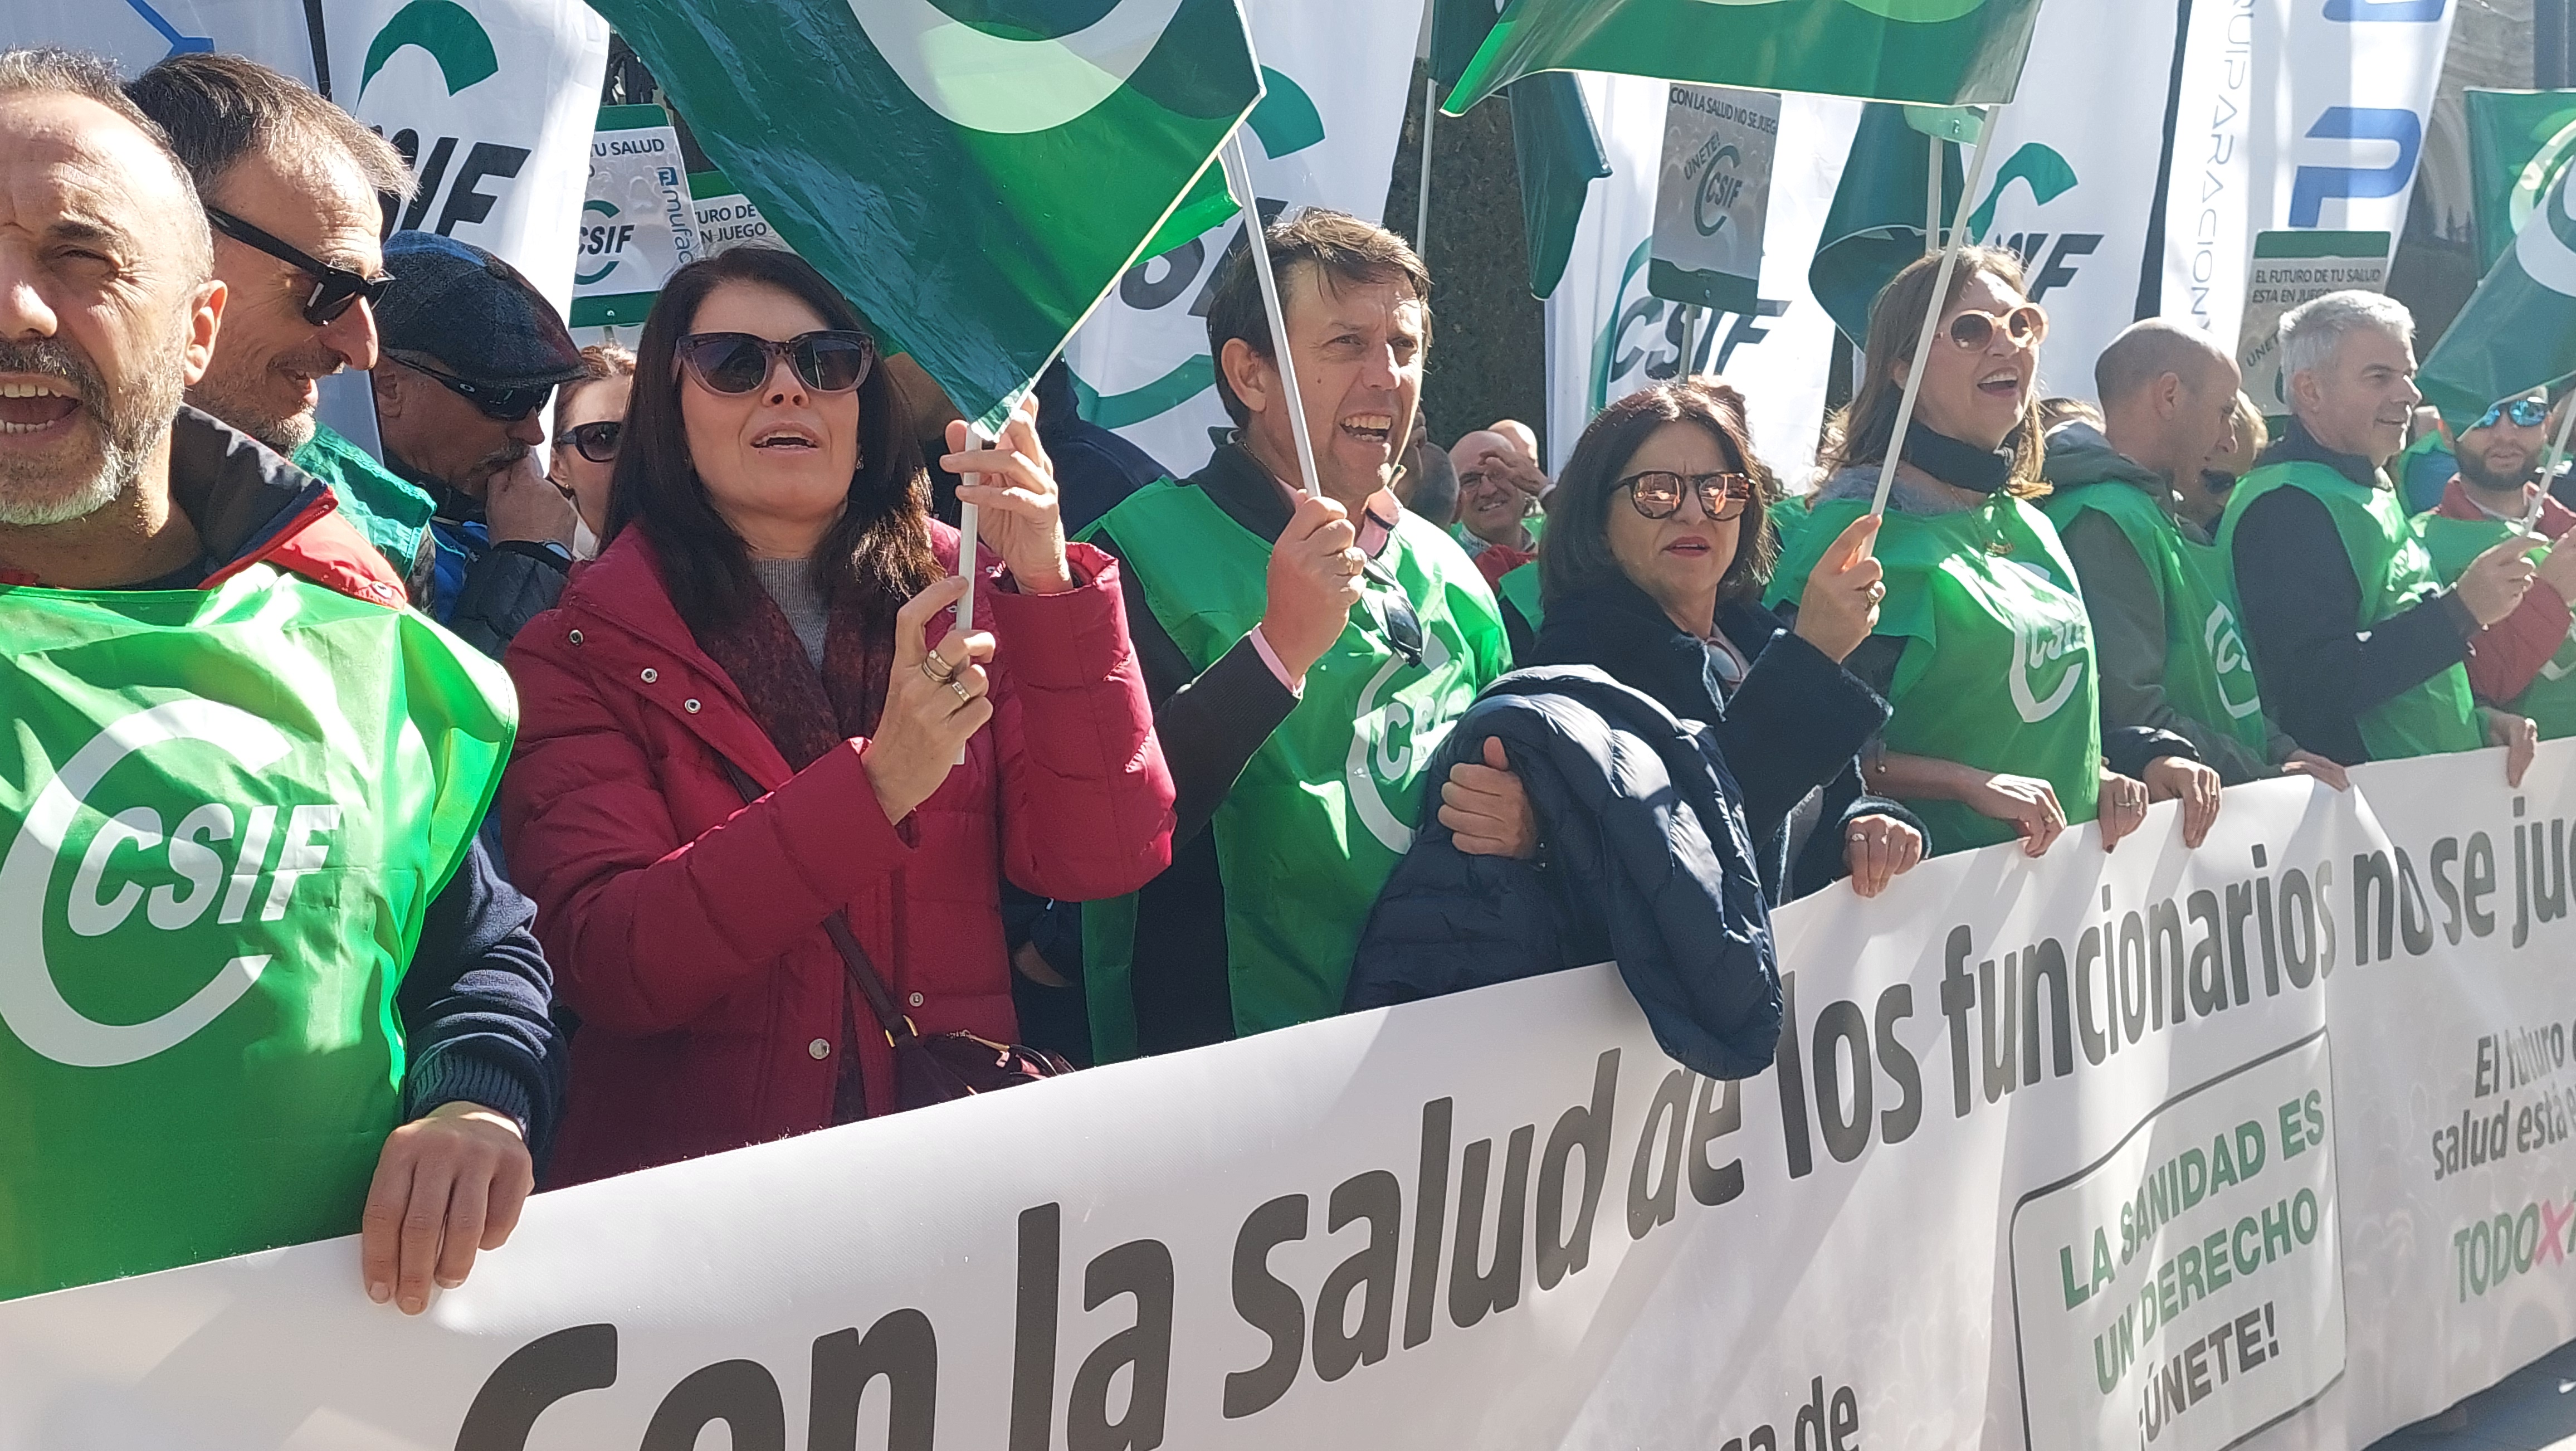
column 1657, row 548
column 590, row 414
column 758, row 760
column 1982, row 645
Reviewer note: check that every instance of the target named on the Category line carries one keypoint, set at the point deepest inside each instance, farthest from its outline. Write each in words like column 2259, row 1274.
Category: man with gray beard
column 214, row 686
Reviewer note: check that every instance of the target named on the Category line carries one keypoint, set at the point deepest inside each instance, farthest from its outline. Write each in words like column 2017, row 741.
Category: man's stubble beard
column 219, row 394
column 131, row 426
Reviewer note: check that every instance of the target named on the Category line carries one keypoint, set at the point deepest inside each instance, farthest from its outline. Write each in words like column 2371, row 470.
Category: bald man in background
column 2171, row 656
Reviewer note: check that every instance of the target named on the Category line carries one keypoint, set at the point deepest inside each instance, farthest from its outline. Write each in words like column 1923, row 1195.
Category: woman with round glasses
column 590, row 413
column 1982, row 647
column 1652, row 569
column 753, row 737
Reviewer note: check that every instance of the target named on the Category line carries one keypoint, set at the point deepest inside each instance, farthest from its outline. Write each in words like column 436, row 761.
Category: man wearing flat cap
column 471, row 351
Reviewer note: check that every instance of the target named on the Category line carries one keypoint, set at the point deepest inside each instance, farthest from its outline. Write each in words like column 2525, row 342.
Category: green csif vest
column 1326, row 807
column 1980, row 595
column 2208, row 675
column 2388, row 559
column 226, row 812
column 2550, row 699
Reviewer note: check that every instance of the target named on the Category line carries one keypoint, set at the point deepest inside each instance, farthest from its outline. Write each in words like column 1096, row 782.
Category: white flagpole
column 1422, row 202
column 966, row 551
column 2549, row 470
column 1238, row 179
column 1932, row 196
column 1932, row 313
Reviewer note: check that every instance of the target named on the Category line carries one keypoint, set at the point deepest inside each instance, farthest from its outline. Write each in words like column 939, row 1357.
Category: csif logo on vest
column 2036, row 646
column 196, row 881
column 1391, row 740
column 2227, row 656
column 451, row 191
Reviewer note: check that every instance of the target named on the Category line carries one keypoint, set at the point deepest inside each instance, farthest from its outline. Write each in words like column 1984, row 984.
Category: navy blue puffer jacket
column 1647, row 862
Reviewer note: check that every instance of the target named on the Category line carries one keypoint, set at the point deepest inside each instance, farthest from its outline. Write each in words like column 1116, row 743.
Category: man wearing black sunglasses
column 2525, row 662
column 472, row 351
column 289, row 183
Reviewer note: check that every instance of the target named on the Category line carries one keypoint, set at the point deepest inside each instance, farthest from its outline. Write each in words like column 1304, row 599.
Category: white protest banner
column 493, row 103
column 138, row 34
column 726, row 218
column 2073, row 181
column 2304, row 116
column 1336, row 74
column 638, row 224
column 2291, row 268
column 2264, row 1144
column 1711, row 194
column 1607, row 336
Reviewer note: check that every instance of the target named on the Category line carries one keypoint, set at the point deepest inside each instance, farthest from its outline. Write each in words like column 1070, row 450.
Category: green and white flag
column 2519, row 141
column 2519, row 329
column 1932, row 52
column 974, row 177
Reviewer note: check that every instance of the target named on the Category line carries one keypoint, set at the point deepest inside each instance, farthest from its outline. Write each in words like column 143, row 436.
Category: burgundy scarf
column 806, row 714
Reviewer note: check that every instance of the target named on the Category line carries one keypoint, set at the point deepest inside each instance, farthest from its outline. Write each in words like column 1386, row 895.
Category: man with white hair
column 2357, row 646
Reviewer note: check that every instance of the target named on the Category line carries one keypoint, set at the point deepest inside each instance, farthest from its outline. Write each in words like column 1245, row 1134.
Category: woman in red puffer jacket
column 773, row 601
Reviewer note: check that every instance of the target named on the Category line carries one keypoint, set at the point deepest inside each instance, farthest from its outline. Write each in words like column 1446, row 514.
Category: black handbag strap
column 863, row 973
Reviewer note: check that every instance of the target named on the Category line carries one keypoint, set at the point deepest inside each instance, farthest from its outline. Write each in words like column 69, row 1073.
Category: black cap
column 460, row 307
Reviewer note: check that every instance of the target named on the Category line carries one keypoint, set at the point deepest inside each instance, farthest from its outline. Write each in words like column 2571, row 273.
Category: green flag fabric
column 1875, row 227
column 227, row 811
column 1560, row 156
column 1458, row 31
column 2519, row 141
column 2519, row 329
column 1932, row 52
column 974, row 176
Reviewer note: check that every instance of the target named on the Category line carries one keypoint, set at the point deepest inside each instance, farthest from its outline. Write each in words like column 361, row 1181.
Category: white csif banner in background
column 1324, row 135
column 492, row 101
column 2306, row 115
column 1607, row 336
column 2072, row 180
column 2265, row 1144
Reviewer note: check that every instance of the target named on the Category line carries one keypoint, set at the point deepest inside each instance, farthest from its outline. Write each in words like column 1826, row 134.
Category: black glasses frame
column 2525, row 412
column 803, row 353
column 595, row 441
column 1722, row 496
column 335, row 289
column 1403, row 623
column 501, row 405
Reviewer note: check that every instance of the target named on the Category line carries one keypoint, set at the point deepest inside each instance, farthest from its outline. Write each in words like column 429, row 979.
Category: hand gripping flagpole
column 1932, row 313
column 1238, row 180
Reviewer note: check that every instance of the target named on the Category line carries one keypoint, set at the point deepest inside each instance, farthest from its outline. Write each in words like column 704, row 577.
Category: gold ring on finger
column 936, row 666
column 960, row 687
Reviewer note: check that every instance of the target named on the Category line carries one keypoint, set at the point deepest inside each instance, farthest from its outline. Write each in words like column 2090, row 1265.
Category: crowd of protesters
column 784, row 841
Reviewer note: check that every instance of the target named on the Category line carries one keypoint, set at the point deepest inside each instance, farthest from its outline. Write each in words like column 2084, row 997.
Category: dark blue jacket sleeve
column 475, row 1006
